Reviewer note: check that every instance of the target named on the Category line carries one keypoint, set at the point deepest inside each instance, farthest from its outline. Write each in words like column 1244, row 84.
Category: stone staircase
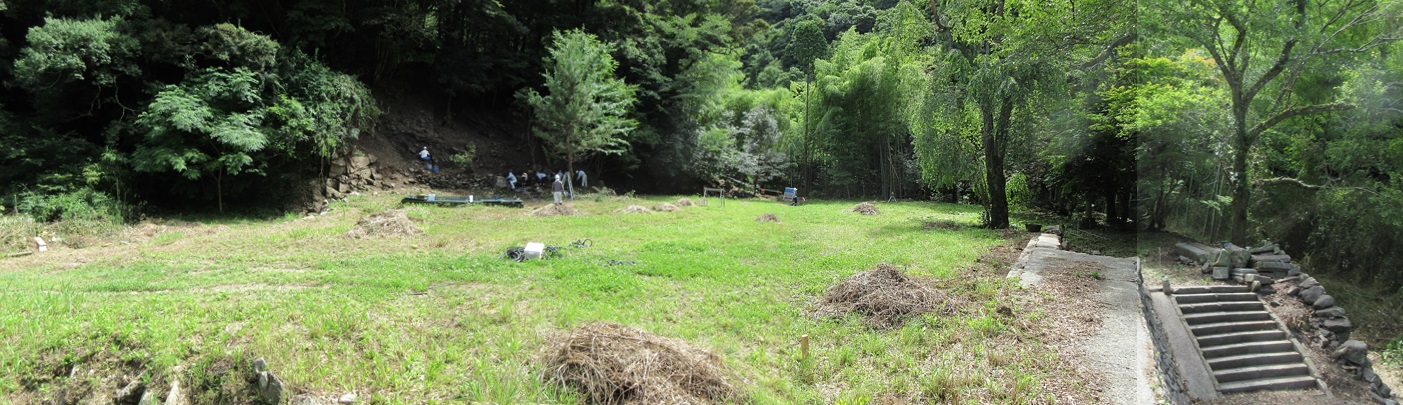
column 1244, row 347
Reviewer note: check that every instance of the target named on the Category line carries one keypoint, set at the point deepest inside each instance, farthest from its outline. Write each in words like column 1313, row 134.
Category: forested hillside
column 1219, row 119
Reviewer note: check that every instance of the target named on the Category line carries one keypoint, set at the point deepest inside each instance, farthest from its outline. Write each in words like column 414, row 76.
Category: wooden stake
column 804, row 346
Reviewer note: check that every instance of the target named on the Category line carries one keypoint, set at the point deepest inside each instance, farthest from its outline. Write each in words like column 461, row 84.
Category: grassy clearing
column 441, row 317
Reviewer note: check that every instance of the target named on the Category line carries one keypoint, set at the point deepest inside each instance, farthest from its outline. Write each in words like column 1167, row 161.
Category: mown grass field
column 441, row 317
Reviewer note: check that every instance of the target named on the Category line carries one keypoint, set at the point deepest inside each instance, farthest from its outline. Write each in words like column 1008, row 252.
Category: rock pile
column 353, row 173
column 1257, row 267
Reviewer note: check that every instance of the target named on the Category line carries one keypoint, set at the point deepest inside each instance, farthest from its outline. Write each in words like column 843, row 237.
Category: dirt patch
column 945, row 225
column 768, row 217
column 551, row 210
column 684, row 202
column 866, row 208
column 388, row 223
column 665, row 207
column 634, row 209
column 615, row 364
column 884, row 296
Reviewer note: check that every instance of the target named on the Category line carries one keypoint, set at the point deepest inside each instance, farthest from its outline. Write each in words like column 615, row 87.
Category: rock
column 1325, row 301
column 1309, row 282
column 1293, row 291
column 176, row 397
column 1354, row 351
column 149, row 398
column 1311, row 294
column 1331, row 313
column 1369, row 376
column 347, row 399
column 1267, row 290
column 132, row 392
column 1295, row 270
column 1340, row 325
column 260, row 365
column 1384, row 391
column 272, row 390
column 359, row 162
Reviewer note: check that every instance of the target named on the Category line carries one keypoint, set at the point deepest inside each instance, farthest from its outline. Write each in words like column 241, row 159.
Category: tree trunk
column 995, row 133
column 1241, row 193
column 219, row 189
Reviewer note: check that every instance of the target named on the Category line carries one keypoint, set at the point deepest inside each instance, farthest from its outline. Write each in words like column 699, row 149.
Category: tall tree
column 1261, row 49
column 585, row 109
column 997, row 57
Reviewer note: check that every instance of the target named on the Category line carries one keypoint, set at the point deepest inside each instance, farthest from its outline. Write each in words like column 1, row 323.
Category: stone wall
column 1329, row 328
column 1174, row 391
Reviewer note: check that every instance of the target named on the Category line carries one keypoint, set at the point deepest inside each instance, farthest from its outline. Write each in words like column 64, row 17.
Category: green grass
column 440, row 317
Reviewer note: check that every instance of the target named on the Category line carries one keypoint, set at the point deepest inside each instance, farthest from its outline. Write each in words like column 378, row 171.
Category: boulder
column 359, row 162
column 1339, row 325
column 1331, row 313
column 1311, row 294
column 1237, row 255
column 1309, row 282
column 1354, row 351
column 1325, row 301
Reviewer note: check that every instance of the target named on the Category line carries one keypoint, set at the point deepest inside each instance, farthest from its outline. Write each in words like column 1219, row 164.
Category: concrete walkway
column 1121, row 348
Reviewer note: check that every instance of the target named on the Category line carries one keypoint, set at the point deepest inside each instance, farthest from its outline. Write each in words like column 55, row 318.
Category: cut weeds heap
column 614, row 364
column 388, row 223
column 866, row 208
column 768, row 217
column 551, row 210
column 884, row 296
column 634, row 209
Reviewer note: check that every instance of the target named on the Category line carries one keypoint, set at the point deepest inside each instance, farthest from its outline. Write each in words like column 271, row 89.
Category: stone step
column 1206, row 289
column 1251, row 360
column 1261, row 372
column 1220, row 317
column 1230, row 306
column 1222, row 297
column 1236, row 349
column 1279, row 384
column 1229, row 327
column 1240, row 337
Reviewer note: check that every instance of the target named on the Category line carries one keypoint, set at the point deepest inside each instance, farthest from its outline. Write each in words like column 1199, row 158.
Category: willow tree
column 1261, row 49
column 585, row 109
column 995, row 58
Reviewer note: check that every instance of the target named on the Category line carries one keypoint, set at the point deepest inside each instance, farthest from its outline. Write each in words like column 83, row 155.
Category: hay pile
column 665, row 207
column 550, row 210
column 685, row 202
column 615, row 364
column 866, row 208
column 884, row 296
column 946, row 225
column 388, row 223
column 768, row 217
column 633, row 209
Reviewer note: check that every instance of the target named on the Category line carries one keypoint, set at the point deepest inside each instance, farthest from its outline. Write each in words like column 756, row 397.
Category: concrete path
column 1121, row 348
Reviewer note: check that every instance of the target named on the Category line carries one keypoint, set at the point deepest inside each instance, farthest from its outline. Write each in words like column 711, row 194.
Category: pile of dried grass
column 550, row 210
column 884, row 296
column 388, row 223
column 634, row 209
column 866, row 208
column 684, row 202
column 615, row 364
column 768, row 217
column 665, row 207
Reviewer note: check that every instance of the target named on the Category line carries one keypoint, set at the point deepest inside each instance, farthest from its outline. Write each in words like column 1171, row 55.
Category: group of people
column 521, row 182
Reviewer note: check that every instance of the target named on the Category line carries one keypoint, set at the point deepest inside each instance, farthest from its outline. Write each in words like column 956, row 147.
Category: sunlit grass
column 442, row 317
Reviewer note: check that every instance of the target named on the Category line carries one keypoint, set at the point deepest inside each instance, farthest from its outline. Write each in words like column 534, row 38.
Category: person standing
column 559, row 189
column 584, row 181
column 511, row 178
